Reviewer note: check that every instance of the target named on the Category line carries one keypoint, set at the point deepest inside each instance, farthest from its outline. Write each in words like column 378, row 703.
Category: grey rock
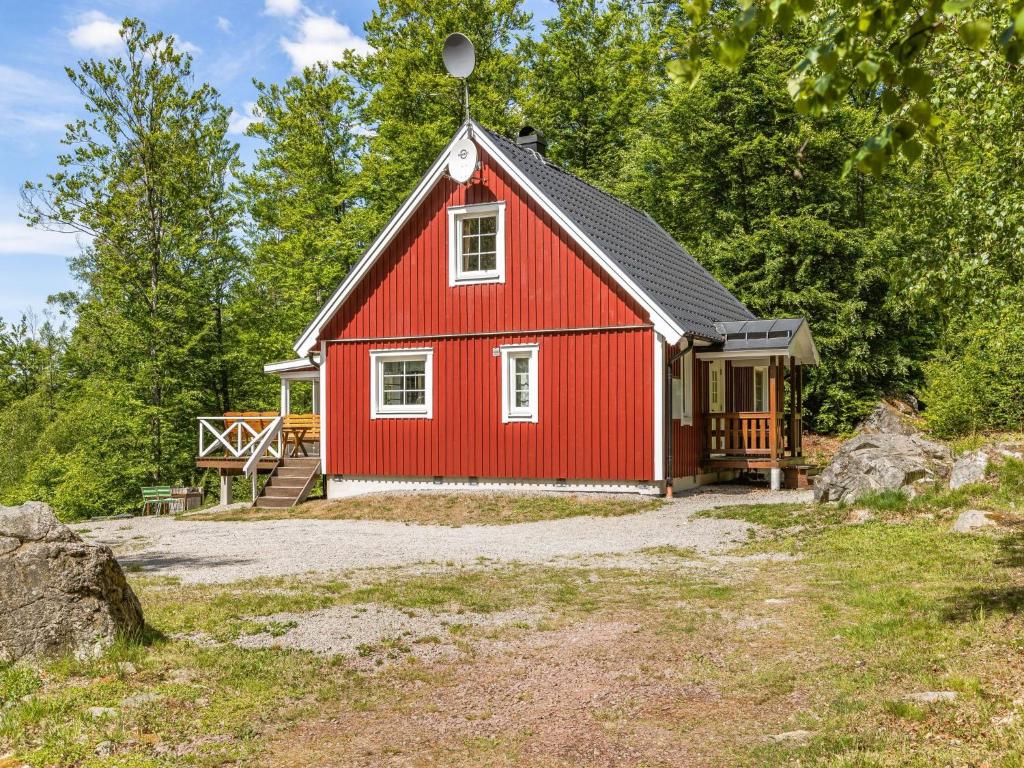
column 969, row 468
column 931, row 697
column 58, row 594
column 100, row 713
column 141, row 698
column 971, row 520
column 104, row 749
column 882, row 462
column 887, row 419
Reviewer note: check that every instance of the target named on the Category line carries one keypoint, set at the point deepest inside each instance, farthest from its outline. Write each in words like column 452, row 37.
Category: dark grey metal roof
column 662, row 268
column 758, row 334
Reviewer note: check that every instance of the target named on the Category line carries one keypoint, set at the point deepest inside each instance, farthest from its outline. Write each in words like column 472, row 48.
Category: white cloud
column 16, row 237
column 282, row 7
column 185, row 46
column 242, row 119
column 321, row 38
column 96, row 31
column 224, row 25
column 30, row 104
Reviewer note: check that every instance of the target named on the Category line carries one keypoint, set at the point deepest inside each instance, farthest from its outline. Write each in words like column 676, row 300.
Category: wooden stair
column 290, row 482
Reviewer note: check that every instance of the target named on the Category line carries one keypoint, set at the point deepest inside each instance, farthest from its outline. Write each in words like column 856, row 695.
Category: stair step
column 276, row 491
column 287, row 482
column 274, row 502
column 304, row 473
column 301, row 461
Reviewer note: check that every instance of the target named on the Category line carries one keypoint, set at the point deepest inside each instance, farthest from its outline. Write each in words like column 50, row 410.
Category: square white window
column 401, row 383
column 519, row 383
column 476, row 244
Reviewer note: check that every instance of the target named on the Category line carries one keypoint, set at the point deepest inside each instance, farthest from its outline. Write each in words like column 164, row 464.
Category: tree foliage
column 854, row 163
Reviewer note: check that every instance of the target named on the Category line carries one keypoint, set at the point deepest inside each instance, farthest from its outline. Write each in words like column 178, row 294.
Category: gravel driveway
column 218, row 552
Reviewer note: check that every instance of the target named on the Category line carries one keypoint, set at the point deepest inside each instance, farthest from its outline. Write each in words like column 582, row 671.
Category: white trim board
column 663, row 324
column 340, row 487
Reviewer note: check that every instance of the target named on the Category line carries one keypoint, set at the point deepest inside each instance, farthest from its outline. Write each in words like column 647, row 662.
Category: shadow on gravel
column 147, row 562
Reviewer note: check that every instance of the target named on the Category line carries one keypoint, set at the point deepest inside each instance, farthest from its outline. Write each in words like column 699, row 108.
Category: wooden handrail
column 750, row 433
column 265, row 439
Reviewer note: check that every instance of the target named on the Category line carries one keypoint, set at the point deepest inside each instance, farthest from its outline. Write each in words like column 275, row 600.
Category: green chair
column 155, row 497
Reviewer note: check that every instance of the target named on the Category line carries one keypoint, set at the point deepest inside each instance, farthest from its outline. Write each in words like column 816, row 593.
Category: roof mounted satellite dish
column 458, row 55
column 459, row 58
column 462, row 160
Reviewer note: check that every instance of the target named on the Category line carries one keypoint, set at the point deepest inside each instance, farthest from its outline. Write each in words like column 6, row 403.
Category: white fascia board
column 287, row 366
column 307, row 341
column 663, row 324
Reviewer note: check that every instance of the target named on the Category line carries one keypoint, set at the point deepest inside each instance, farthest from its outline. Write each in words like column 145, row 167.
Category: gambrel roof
column 682, row 297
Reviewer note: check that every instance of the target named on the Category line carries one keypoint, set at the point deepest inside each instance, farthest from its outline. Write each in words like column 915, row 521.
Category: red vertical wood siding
column 739, row 388
column 596, row 387
column 686, row 439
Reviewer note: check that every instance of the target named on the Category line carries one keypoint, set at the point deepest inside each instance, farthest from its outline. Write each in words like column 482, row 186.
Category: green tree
column 734, row 172
column 144, row 176
column 306, row 223
column 412, row 106
column 591, row 79
column 882, row 48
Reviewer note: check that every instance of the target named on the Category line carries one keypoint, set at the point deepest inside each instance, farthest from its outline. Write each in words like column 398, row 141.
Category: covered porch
column 752, row 415
column 252, row 443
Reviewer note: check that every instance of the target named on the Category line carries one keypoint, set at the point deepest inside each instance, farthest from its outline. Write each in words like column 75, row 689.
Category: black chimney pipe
column 531, row 138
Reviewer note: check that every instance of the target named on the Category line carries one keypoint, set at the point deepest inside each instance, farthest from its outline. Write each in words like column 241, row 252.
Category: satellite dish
column 458, row 55
column 462, row 160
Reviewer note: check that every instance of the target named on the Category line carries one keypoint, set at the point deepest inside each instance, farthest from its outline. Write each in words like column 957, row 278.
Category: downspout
column 669, row 458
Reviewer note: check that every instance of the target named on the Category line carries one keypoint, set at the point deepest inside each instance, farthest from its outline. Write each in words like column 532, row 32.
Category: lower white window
column 402, row 383
column 519, row 383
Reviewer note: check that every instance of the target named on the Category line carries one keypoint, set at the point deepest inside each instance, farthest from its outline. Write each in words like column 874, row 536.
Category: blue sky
column 232, row 42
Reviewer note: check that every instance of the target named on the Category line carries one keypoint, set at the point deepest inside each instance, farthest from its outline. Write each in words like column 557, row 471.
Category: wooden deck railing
column 749, row 434
column 239, row 436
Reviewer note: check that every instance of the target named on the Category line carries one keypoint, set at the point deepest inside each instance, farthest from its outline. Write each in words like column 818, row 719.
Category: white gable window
column 402, row 383
column 476, row 244
column 519, row 383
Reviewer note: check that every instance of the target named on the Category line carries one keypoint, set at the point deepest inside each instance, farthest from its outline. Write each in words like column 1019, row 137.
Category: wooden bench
column 157, row 496
column 298, row 429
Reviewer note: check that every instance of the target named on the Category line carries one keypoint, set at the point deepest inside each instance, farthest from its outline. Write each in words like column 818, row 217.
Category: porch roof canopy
column 760, row 338
column 301, row 368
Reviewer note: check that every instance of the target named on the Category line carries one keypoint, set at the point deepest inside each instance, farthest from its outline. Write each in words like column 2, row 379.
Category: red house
column 525, row 329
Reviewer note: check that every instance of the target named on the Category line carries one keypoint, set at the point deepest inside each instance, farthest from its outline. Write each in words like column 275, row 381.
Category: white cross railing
column 240, row 436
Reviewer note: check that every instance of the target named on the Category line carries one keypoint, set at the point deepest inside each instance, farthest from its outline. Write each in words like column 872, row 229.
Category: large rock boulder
column 969, row 468
column 882, row 462
column 58, row 594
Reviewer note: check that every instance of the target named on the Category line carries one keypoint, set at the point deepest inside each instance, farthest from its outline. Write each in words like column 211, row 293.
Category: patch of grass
column 453, row 509
column 775, row 515
column 884, row 501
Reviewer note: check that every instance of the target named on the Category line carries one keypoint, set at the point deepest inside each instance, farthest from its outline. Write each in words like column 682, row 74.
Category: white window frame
column 682, row 391
column 762, row 390
column 377, row 408
column 716, row 374
column 459, row 214
column 509, row 412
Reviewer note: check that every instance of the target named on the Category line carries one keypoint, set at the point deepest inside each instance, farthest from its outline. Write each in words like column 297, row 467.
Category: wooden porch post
column 775, row 375
column 794, row 408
